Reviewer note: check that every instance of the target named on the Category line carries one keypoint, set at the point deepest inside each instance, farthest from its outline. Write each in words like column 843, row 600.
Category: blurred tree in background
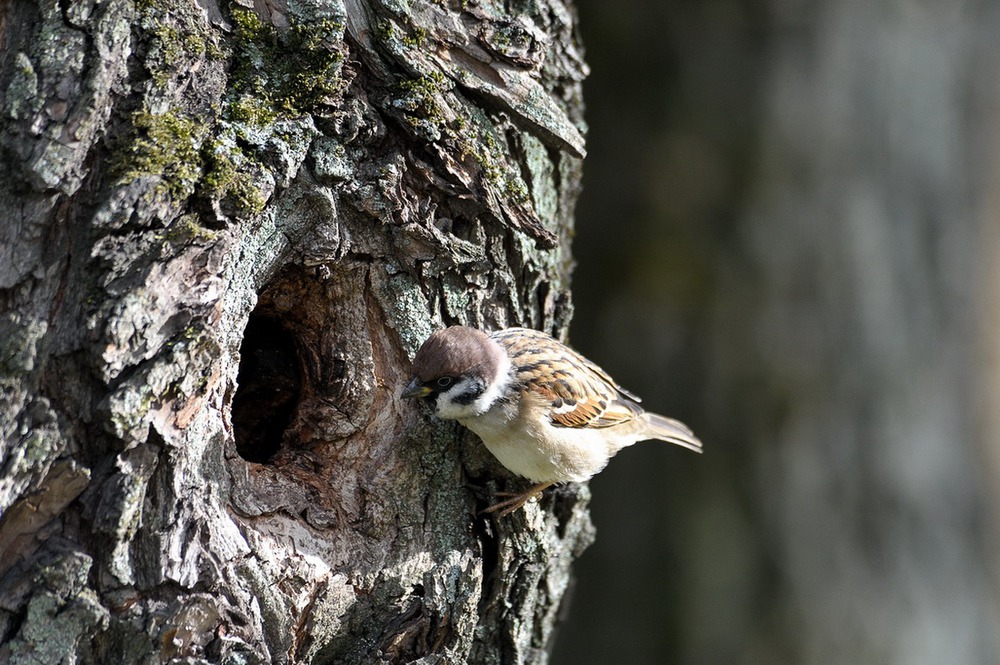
column 786, row 240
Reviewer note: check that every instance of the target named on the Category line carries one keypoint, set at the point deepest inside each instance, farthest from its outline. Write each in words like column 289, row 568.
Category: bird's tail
column 670, row 430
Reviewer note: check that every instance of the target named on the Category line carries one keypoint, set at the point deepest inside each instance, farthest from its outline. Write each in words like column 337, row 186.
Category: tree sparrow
column 546, row 412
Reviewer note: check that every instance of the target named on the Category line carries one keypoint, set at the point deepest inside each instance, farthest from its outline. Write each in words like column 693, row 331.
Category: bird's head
column 460, row 371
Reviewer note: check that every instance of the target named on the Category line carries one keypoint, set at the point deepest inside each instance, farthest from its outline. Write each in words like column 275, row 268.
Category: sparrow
column 542, row 409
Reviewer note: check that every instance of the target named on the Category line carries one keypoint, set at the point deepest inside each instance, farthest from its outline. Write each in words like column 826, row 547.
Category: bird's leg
column 517, row 500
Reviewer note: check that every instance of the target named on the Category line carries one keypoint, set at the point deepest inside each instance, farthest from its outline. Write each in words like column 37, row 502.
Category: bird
column 543, row 410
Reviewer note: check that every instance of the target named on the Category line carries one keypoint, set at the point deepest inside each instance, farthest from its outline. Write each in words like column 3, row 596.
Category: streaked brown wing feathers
column 581, row 394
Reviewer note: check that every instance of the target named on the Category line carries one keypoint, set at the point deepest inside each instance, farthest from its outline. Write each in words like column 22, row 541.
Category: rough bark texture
column 226, row 230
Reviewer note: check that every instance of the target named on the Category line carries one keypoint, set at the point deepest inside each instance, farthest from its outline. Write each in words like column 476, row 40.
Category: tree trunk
column 227, row 229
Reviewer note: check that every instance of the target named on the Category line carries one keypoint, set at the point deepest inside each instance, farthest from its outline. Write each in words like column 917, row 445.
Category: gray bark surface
column 226, row 230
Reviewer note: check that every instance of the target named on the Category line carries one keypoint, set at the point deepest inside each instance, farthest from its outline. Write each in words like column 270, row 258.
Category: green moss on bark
column 283, row 72
column 165, row 145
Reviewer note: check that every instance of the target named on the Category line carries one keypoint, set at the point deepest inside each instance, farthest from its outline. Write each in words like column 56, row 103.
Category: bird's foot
column 516, row 500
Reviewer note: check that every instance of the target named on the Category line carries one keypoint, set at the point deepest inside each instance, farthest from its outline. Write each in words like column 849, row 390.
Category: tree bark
column 227, row 229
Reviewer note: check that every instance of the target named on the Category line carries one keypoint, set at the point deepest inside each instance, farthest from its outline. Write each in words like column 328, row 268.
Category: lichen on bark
column 186, row 173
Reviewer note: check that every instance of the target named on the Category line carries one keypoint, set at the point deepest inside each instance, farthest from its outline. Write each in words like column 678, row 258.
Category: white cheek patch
column 497, row 389
column 447, row 408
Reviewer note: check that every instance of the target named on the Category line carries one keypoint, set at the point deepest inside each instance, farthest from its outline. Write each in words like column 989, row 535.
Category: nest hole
column 269, row 384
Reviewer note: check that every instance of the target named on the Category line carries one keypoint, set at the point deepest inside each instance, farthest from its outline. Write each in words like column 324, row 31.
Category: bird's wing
column 580, row 394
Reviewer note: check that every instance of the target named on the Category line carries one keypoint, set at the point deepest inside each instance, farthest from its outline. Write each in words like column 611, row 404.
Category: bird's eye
column 444, row 382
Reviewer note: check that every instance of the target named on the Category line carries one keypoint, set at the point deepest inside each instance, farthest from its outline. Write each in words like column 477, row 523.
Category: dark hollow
column 269, row 383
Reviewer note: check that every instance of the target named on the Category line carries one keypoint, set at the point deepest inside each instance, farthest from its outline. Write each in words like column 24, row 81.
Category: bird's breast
column 527, row 444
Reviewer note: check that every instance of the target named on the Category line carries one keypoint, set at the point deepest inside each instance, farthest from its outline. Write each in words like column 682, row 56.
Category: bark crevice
column 231, row 231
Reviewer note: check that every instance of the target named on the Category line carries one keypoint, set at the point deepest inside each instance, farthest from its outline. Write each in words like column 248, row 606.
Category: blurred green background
column 786, row 240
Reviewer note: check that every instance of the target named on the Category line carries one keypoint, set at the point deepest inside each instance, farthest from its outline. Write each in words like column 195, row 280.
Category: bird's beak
column 415, row 389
